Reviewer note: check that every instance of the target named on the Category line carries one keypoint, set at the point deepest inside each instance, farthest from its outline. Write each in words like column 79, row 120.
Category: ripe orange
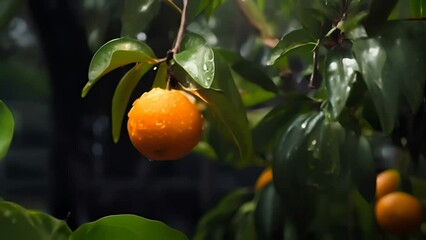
column 164, row 124
column 264, row 179
column 399, row 213
column 387, row 182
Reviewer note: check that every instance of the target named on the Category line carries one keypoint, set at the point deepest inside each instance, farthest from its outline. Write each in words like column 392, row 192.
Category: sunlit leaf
column 198, row 63
column 6, row 129
column 122, row 95
column 269, row 214
column 126, row 227
column 116, row 53
column 215, row 220
column 137, row 15
column 339, row 75
column 18, row 223
column 290, row 42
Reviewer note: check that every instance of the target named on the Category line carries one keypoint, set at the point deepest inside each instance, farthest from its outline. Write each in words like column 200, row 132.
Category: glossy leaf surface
column 7, row 125
column 116, row 53
column 126, row 227
column 122, row 94
column 18, row 223
column 340, row 74
column 161, row 76
column 198, row 63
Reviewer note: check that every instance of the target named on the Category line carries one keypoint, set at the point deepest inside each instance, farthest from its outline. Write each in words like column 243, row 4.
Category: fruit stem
column 179, row 36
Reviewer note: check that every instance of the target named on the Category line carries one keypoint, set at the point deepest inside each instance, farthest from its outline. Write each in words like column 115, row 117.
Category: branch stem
column 179, row 36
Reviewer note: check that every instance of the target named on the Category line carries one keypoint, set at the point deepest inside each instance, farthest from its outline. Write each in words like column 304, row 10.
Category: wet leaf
column 137, row 15
column 339, row 75
column 126, row 227
column 18, row 223
column 117, row 53
column 122, row 94
column 198, row 63
column 7, row 125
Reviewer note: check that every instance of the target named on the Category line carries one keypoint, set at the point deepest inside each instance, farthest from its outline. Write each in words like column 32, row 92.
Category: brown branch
column 179, row 36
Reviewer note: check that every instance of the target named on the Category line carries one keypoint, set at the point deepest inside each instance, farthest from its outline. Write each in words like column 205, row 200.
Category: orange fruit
column 164, row 124
column 264, row 179
column 399, row 213
column 387, row 182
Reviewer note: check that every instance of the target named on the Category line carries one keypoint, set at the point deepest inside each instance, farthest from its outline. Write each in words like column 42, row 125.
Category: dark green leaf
column 339, row 75
column 122, row 94
column 18, row 223
column 137, row 15
column 230, row 134
column 379, row 12
column 371, row 58
column 290, row 42
column 249, row 71
column 126, row 227
column 114, row 54
column 269, row 214
column 307, row 156
column 266, row 133
column 218, row 218
column 418, row 8
column 161, row 76
column 7, row 125
column 199, row 63
column 195, row 7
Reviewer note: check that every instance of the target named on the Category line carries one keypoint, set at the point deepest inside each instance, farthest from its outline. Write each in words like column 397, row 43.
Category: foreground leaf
column 126, row 227
column 116, row 53
column 122, row 94
column 18, row 223
column 6, row 129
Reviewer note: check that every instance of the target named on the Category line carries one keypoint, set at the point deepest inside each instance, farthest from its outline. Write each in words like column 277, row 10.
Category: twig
column 314, row 76
column 179, row 36
column 173, row 5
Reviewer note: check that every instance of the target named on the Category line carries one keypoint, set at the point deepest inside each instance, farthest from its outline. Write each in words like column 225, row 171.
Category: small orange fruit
column 264, row 179
column 399, row 213
column 387, row 182
column 164, row 124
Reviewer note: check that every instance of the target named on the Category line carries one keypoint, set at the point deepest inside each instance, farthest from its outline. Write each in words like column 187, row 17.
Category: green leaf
column 198, row 63
column 137, row 15
column 18, row 223
column 161, row 76
column 216, row 220
column 192, row 40
column 243, row 222
column 117, row 53
column 418, row 8
column 122, row 94
column 269, row 215
column 267, row 132
column 249, row 71
column 296, row 39
column 379, row 12
column 126, row 227
column 230, row 129
column 339, row 75
column 7, row 124
column 307, row 156
column 371, row 58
